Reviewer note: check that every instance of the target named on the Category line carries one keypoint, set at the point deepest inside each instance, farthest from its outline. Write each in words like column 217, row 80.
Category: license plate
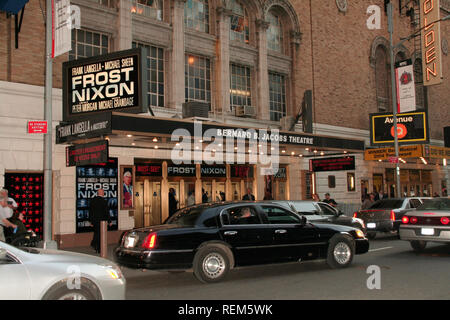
column 130, row 242
column 427, row 231
column 371, row 225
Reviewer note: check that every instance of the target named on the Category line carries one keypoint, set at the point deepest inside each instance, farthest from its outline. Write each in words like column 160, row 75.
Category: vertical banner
column 127, row 181
column 431, row 42
column 90, row 178
column 61, row 27
column 406, row 89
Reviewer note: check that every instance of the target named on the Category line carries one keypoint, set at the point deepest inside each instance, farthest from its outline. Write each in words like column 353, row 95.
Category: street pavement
column 404, row 275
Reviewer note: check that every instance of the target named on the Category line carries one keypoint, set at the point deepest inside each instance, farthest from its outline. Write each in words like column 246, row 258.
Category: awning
column 12, row 6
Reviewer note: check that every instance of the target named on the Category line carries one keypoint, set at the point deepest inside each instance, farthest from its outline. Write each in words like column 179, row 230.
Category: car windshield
column 186, row 217
column 387, row 204
column 435, row 204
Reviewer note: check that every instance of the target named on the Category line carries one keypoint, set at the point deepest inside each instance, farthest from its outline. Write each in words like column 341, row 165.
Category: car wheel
column 63, row 293
column 340, row 251
column 371, row 235
column 418, row 245
column 211, row 264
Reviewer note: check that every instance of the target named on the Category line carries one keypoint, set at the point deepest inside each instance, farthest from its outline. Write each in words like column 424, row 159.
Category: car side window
column 7, row 260
column 240, row 215
column 326, row 210
column 414, row 203
column 280, row 216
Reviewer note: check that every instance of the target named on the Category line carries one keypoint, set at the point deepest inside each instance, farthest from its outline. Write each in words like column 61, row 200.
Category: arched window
column 196, row 15
column 149, row 8
column 239, row 29
column 382, row 79
column 421, row 90
column 274, row 32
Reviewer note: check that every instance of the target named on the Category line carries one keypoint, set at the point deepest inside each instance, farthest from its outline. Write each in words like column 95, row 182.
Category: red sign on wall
column 37, row 126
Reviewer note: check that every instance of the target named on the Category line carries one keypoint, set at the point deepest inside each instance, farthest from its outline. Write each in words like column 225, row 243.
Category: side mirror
column 339, row 213
column 3, row 253
column 303, row 220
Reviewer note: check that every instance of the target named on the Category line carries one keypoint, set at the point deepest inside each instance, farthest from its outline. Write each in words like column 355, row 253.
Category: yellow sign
column 431, row 42
column 436, row 152
column 385, row 153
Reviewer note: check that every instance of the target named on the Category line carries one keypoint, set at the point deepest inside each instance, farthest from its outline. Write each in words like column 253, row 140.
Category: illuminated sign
column 87, row 127
column 332, row 164
column 412, row 127
column 241, row 171
column 111, row 82
column 414, row 151
column 88, row 153
column 218, row 171
column 431, row 42
column 149, row 170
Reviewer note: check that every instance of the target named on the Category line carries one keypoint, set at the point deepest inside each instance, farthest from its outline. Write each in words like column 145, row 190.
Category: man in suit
column 127, row 190
column 249, row 196
column 98, row 211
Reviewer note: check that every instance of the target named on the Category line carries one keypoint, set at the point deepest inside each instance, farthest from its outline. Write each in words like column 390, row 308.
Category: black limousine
column 214, row 238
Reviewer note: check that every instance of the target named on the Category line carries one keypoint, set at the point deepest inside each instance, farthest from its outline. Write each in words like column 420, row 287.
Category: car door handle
column 230, row 233
column 281, row 231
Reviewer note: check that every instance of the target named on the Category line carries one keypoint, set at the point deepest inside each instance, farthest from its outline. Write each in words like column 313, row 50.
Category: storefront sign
column 89, row 179
column 111, row 82
column 332, row 164
column 37, row 126
column 87, row 127
column 181, row 170
column 436, row 152
column 387, row 153
column 88, row 153
column 431, row 42
column 412, row 127
column 217, row 171
column 149, row 170
column 241, row 171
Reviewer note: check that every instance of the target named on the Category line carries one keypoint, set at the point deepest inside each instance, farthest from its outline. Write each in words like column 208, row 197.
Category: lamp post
column 394, row 85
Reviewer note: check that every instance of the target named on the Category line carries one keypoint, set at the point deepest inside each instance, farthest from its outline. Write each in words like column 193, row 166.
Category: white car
column 30, row 273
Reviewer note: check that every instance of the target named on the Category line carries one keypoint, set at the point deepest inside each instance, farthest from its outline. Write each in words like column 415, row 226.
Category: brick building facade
column 265, row 54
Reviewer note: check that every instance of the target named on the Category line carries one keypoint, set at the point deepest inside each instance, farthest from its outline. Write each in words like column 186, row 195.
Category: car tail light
column 392, row 215
column 150, row 241
column 445, row 220
column 355, row 215
column 413, row 220
column 405, row 219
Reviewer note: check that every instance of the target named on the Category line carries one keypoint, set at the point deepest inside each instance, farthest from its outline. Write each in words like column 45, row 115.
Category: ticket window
column 236, row 190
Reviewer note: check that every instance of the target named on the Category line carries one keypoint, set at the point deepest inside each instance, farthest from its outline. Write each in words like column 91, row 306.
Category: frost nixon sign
column 111, row 82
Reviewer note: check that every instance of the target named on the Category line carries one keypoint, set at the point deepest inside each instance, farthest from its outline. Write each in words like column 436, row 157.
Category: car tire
column 371, row 235
column 341, row 251
column 63, row 293
column 418, row 245
column 211, row 264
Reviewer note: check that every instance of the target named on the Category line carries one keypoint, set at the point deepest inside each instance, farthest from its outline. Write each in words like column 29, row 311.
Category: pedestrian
column 436, row 195
column 368, row 201
column 191, row 199
column 173, row 202
column 204, row 196
column 329, row 200
column 249, row 196
column 268, row 196
column 11, row 203
column 315, row 197
column 98, row 211
column 376, row 194
column 381, row 195
column 4, row 222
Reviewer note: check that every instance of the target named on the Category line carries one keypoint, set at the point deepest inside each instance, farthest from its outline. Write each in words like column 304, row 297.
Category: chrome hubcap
column 213, row 265
column 73, row 296
column 342, row 253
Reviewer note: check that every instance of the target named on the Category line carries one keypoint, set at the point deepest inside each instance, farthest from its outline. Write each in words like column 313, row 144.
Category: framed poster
column 127, row 180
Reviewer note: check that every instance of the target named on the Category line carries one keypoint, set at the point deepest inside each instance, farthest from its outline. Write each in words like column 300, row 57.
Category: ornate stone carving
column 342, row 5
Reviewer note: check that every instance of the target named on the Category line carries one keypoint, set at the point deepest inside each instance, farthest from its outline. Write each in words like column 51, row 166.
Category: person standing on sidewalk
column 98, row 211
column 11, row 203
column 4, row 222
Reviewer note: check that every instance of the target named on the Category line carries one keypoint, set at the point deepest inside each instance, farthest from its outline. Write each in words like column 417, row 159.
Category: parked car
column 216, row 237
column 386, row 215
column 429, row 222
column 321, row 212
column 31, row 273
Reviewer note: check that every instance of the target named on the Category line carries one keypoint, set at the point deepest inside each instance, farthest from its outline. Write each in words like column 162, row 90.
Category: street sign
column 37, row 126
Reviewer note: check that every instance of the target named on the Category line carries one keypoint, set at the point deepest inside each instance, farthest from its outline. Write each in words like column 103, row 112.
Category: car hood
column 334, row 227
column 61, row 256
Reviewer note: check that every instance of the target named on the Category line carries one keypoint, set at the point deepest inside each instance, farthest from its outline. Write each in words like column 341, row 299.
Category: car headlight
column 358, row 220
column 114, row 272
column 359, row 234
